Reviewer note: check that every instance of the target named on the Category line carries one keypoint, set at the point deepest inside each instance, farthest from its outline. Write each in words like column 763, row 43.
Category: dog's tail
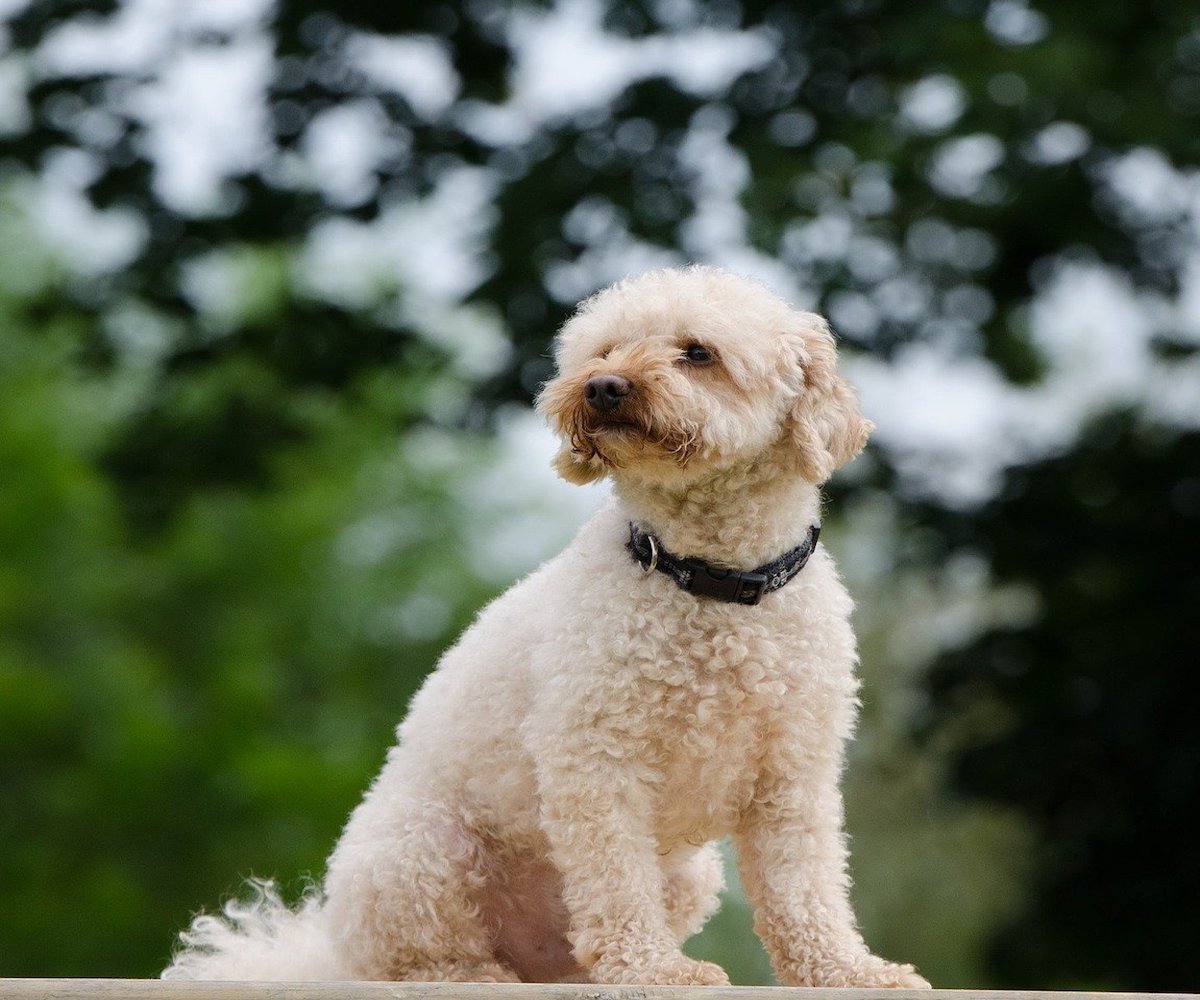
column 259, row 938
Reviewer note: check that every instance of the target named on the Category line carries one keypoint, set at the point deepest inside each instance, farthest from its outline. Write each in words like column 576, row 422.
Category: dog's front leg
column 793, row 862
column 594, row 812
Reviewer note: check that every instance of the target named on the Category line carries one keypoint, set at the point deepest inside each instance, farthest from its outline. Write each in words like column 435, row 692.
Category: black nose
column 605, row 392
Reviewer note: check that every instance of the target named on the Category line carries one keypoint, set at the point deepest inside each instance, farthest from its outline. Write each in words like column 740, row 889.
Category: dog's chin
column 646, row 452
column 615, row 442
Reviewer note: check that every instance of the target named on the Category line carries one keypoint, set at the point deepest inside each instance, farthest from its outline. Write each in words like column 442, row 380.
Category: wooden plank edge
column 153, row 989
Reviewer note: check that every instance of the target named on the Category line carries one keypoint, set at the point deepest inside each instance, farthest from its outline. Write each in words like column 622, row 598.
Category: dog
column 683, row 671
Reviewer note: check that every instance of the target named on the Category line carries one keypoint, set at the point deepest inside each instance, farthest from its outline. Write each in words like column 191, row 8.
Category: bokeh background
column 277, row 281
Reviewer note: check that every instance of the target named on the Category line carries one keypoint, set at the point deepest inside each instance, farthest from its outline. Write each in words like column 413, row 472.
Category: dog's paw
column 878, row 973
column 890, row 975
column 673, row 970
column 861, row 972
column 690, row 972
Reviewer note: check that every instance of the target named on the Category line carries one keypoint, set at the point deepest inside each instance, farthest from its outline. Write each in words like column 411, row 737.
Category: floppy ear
column 575, row 468
column 828, row 428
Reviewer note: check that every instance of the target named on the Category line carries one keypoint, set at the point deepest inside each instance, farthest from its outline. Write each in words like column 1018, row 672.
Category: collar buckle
column 733, row 586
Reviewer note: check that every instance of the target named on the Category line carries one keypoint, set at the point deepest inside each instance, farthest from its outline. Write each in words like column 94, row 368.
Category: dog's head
column 682, row 372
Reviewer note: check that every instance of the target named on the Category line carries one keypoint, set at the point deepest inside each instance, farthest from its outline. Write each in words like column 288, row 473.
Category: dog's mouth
column 628, row 422
column 616, row 425
column 608, row 436
column 618, row 440
column 633, row 432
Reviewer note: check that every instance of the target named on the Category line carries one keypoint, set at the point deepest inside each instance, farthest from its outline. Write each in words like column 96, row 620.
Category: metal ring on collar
column 650, row 566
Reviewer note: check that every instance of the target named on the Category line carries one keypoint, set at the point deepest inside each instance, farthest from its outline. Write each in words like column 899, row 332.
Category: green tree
column 185, row 699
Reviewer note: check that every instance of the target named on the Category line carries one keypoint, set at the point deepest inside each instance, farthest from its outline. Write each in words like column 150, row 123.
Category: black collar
column 705, row 580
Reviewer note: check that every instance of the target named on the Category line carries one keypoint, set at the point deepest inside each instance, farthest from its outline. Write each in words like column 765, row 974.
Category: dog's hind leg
column 403, row 890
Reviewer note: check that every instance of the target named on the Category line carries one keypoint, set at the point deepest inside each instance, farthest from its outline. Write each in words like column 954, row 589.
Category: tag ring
column 650, row 566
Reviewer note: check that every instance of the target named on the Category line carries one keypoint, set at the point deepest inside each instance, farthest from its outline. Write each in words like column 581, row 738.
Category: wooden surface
column 153, row 989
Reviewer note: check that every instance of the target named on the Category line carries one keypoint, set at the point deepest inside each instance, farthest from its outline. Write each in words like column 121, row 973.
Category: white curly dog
column 683, row 671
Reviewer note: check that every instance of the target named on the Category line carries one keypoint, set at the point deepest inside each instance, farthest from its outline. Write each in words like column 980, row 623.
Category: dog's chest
column 711, row 693
column 705, row 778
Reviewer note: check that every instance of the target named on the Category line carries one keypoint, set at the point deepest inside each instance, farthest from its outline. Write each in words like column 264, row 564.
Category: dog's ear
column 575, row 468
column 827, row 426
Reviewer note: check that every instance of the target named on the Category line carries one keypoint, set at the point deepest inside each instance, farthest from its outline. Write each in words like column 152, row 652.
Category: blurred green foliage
column 182, row 701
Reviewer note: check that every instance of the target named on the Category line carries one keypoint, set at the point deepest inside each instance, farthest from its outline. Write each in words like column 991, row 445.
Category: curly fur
column 550, row 810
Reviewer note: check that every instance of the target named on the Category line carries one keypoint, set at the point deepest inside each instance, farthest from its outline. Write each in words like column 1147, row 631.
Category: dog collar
column 705, row 580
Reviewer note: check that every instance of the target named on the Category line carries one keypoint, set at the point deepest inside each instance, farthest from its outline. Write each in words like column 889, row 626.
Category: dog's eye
column 697, row 354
